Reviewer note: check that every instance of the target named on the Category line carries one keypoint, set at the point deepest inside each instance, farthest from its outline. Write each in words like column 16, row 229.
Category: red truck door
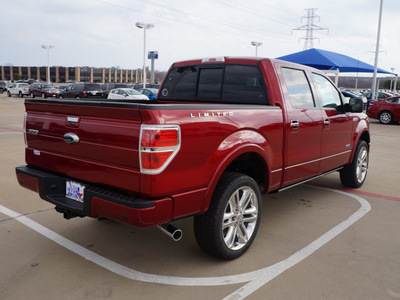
column 303, row 127
column 337, row 126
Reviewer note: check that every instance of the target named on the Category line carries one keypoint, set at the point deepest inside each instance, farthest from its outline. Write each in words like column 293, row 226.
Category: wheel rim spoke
column 240, row 218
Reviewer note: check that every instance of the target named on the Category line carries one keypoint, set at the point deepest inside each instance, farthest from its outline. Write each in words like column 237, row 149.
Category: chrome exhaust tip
column 170, row 230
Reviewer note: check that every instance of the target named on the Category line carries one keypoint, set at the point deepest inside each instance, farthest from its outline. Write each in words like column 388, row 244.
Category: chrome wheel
column 385, row 117
column 240, row 218
column 362, row 164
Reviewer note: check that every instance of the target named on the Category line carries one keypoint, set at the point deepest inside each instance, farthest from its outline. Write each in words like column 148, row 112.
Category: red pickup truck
column 222, row 132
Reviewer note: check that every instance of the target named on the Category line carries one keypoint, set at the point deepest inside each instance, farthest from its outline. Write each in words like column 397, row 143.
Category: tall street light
column 144, row 26
column 257, row 44
column 48, row 47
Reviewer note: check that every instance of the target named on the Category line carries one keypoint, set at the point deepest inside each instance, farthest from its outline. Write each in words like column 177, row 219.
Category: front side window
column 329, row 95
column 298, row 88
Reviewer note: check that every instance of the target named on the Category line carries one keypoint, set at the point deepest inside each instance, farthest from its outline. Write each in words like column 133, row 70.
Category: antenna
column 309, row 28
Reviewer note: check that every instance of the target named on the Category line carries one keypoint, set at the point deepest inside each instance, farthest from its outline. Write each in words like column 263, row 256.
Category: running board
column 307, row 180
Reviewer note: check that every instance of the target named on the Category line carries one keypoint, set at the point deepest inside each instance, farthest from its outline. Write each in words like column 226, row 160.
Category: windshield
column 132, row 92
column 48, row 86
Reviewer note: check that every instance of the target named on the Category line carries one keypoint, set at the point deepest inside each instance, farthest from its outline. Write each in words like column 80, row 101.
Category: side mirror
column 355, row 105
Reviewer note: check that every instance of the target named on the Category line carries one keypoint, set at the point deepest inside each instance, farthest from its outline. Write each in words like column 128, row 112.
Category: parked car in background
column 82, row 90
column 3, row 87
column 150, row 93
column 386, row 111
column 380, row 96
column 43, row 90
column 19, row 89
column 126, row 94
column 350, row 95
column 107, row 87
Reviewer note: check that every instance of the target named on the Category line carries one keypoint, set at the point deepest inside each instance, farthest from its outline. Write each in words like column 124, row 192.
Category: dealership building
column 63, row 74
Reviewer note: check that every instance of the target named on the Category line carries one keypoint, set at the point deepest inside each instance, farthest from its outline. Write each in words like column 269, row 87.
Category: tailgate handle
column 72, row 121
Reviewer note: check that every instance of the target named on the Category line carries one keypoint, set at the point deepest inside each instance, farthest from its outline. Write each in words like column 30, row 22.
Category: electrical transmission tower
column 309, row 28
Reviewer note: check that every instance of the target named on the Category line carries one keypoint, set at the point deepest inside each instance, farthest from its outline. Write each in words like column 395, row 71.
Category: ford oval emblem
column 71, row 138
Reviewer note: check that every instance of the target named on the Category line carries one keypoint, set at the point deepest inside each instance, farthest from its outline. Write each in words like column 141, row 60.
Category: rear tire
column 43, row 96
column 8, row 94
column 385, row 117
column 353, row 175
column 230, row 225
column 32, row 95
column 21, row 95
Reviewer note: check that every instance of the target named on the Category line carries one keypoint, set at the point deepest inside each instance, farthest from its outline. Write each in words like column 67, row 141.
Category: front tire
column 385, row 117
column 21, row 95
column 32, row 95
column 230, row 225
column 354, row 175
column 8, row 94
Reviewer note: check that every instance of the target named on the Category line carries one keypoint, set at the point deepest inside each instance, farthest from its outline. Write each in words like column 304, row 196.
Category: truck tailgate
column 88, row 140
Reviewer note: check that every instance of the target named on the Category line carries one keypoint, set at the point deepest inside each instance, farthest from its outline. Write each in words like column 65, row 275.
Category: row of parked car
column 82, row 90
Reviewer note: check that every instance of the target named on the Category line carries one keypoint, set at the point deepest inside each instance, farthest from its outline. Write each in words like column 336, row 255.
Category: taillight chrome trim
column 25, row 137
column 174, row 149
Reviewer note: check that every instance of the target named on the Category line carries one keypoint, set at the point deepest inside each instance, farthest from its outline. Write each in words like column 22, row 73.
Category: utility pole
column 309, row 28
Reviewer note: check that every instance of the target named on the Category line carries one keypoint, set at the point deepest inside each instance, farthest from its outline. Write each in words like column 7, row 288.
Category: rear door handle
column 327, row 122
column 294, row 124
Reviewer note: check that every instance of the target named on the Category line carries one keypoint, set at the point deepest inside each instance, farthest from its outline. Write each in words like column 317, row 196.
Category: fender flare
column 362, row 129
column 236, row 144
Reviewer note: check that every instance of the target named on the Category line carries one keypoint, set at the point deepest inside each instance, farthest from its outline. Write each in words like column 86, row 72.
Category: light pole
column 48, row 47
column 144, row 26
column 257, row 44
column 374, row 91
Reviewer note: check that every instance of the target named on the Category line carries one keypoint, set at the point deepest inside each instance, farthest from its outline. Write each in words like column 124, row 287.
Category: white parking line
column 254, row 279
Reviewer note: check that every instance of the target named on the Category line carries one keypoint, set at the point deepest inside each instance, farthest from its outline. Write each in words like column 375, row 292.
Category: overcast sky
column 102, row 33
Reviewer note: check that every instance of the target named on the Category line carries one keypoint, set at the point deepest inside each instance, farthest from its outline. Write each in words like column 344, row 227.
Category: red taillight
column 158, row 146
column 159, row 137
column 84, row 92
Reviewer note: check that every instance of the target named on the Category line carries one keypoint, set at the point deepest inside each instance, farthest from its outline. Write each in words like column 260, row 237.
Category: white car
column 19, row 89
column 126, row 94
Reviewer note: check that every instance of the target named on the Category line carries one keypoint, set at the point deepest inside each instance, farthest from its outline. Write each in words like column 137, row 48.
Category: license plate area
column 75, row 191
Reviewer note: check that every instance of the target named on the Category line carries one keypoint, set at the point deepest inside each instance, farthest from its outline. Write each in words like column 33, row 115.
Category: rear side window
column 298, row 88
column 217, row 83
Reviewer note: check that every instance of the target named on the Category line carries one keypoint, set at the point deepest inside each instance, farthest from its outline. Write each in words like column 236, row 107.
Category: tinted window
column 181, row 83
column 92, row 87
column 394, row 100
column 329, row 95
column 220, row 83
column 243, row 84
column 299, row 91
column 210, row 82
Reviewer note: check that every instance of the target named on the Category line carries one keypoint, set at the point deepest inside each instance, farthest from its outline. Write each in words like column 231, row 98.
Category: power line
column 176, row 10
column 309, row 28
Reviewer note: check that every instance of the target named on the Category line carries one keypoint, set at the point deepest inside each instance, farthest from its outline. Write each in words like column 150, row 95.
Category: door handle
column 294, row 124
column 327, row 122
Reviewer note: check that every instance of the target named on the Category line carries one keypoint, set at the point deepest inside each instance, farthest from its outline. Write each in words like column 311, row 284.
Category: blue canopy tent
column 326, row 60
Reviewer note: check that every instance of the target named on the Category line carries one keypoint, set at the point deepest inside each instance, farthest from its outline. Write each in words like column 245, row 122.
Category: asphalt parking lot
column 313, row 242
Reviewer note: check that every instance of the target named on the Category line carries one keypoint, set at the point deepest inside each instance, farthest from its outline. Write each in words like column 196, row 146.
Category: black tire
column 8, row 94
column 32, row 95
column 230, row 242
column 60, row 96
column 20, row 94
column 43, row 96
column 385, row 117
column 77, row 97
column 354, row 175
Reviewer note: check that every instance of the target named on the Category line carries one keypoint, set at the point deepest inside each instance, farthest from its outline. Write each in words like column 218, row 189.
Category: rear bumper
column 98, row 201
